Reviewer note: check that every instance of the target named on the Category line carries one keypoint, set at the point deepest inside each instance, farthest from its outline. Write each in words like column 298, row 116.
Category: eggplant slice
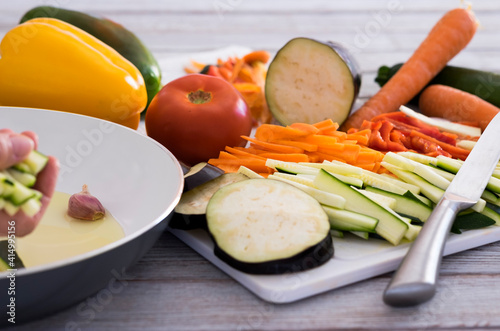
column 309, row 81
column 189, row 213
column 264, row 226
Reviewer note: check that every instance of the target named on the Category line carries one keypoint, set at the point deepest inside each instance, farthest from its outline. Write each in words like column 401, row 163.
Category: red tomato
column 197, row 116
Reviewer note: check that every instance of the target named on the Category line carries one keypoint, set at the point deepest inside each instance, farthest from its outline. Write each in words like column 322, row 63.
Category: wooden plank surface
column 172, row 287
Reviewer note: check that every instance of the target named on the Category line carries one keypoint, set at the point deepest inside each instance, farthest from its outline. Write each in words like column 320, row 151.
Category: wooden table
column 174, row 288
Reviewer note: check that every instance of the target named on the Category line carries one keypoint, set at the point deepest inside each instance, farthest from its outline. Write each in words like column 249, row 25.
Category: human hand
column 14, row 148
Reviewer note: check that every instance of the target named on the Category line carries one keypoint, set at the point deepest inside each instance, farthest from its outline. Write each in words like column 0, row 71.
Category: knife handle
column 415, row 280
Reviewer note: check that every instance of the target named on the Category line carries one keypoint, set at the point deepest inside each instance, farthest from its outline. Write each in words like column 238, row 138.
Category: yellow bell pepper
column 47, row 63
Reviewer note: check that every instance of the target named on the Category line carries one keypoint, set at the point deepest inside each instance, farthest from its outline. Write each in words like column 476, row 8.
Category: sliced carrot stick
column 446, row 39
column 349, row 155
column 456, row 105
column 274, row 147
column 246, row 75
column 320, row 140
column 367, row 157
column 338, row 134
column 225, row 73
column 242, row 152
column 268, row 132
column 352, row 148
column 261, row 56
column 364, row 132
column 320, row 157
column 225, row 167
column 314, row 157
column 256, row 165
column 226, row 155
column 326, row 125
column 361, row 137
column 257, row 150
column 229, row 64
column 308, row 128
column 305, row 146
column 236, row 70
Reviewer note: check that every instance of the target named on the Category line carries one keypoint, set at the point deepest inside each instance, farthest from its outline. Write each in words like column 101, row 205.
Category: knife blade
column 415, row 280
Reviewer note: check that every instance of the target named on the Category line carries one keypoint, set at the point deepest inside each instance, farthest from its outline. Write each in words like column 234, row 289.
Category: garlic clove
column 85, row 206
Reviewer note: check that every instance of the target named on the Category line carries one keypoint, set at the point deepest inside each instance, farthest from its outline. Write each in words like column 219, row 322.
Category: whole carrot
column 456, row 105
column 446, row 39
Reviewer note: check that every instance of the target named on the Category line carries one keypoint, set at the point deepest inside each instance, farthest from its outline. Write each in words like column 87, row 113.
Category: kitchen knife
column 415, row 280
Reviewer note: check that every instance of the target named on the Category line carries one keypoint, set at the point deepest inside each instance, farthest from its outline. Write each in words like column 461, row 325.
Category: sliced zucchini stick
column 15, row 185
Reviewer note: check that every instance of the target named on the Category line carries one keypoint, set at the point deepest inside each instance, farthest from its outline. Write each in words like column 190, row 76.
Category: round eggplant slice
column 264, row 226
column 309, row 81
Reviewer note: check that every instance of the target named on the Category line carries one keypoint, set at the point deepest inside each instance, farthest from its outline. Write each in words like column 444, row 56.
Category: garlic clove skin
column 85, row 206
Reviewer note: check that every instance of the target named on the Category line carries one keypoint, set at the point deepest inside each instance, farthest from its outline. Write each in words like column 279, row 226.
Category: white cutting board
column 355, row 259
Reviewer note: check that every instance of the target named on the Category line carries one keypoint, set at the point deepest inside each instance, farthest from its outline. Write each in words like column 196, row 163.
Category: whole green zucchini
column 114, row 35
column 483, row 84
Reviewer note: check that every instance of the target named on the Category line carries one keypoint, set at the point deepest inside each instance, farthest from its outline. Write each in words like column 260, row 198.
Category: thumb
column 13, row 149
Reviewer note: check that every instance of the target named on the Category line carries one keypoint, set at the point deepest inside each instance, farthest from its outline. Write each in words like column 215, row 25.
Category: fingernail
column 21, row 145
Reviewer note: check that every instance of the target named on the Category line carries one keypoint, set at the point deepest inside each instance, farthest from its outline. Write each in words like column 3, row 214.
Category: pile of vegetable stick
column 300, row 142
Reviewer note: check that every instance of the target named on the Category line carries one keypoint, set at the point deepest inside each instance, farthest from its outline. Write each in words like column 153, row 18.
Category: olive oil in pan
column 59, row 236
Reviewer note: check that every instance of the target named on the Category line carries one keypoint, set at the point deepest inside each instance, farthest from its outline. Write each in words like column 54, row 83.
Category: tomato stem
column 199, row 97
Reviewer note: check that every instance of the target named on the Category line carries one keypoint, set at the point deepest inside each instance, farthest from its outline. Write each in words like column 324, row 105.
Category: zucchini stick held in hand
column 28, row 180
